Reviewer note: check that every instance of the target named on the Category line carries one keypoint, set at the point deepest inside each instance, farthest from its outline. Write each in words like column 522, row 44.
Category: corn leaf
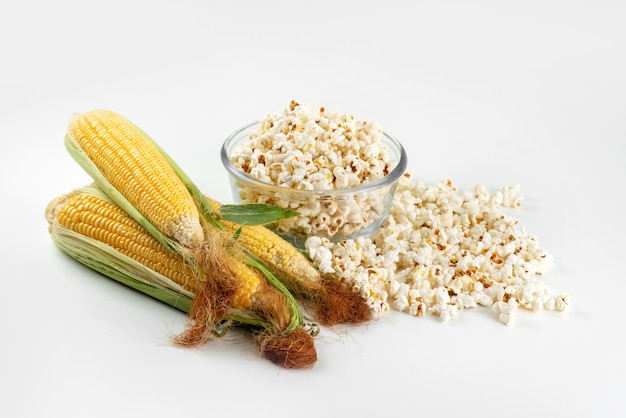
column 255, row 214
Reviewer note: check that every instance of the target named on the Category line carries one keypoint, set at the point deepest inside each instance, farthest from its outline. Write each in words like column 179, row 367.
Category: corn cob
column 130, row 168
column 130, row 162
column 85, row 219
column 93, row 216
column 332, row 301
column 274, row 250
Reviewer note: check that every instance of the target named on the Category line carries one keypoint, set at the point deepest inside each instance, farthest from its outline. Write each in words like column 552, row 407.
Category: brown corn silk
column 292, row 351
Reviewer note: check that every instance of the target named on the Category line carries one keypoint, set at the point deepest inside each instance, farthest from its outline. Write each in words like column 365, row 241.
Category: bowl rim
column 392, row 177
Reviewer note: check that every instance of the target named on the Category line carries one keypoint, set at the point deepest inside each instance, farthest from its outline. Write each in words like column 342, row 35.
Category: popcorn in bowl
column 337, row 172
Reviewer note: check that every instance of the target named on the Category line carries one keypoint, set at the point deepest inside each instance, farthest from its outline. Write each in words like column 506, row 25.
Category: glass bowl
column 336, row 214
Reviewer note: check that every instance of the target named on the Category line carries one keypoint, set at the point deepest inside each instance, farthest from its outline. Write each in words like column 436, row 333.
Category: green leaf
column 238, row 232
column 255, row 214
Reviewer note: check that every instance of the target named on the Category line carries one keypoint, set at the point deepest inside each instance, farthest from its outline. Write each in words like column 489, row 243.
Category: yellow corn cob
column 134, row 167
column 99, row 219
column 274, row 250
column 333, row 301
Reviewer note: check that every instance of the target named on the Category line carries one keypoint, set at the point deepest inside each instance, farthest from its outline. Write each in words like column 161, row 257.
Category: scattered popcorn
column 304, row 148
column 562, row 302
column 441, row 251
column 505, row 310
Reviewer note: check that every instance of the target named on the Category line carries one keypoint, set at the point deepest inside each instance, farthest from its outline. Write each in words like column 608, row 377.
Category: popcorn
column 441, row 251
column 505, row 310
column 311, row 149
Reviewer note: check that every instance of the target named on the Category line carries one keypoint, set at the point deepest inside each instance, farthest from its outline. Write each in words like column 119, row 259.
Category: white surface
column 479, row 92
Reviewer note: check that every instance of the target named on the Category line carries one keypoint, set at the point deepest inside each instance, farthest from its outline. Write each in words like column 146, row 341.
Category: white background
column 493, row 92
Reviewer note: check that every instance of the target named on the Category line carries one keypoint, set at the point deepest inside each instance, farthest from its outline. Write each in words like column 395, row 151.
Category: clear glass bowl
column 334, row 214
